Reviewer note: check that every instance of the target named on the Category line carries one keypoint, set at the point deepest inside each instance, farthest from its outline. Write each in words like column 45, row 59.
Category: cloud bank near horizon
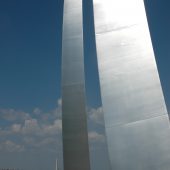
column 42, row 131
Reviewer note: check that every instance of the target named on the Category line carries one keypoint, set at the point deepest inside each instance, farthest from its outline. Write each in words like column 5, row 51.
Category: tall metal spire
column 136, row 119
column 75, row 135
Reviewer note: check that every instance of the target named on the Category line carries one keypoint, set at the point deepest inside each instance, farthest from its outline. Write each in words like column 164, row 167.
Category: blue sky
column 30, row 63
column 158, row 16
column 30, row 53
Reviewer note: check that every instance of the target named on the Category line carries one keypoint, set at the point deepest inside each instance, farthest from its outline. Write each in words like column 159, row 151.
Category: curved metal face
column 136, row 119
column 75, row 138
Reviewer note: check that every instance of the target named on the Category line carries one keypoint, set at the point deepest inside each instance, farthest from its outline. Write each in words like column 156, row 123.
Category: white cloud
column 10, row 146
column 16, row 128
column 32, row 131
column 37, row 111
column 41, row 130
column 31, row 127
column 96, row 137
column 48, row 141
column 96, row 115
column 40, row 143
column 4, row 132
column 29, row 140
column 53, row 129
column 12, row 115
column 59, row 102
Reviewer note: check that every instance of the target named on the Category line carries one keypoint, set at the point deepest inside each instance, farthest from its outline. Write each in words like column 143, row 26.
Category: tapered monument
column 75, row 136
column 136, row 119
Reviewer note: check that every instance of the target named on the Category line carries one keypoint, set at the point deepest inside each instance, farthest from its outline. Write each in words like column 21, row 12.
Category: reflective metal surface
column 136, row 120
column 75, row 136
